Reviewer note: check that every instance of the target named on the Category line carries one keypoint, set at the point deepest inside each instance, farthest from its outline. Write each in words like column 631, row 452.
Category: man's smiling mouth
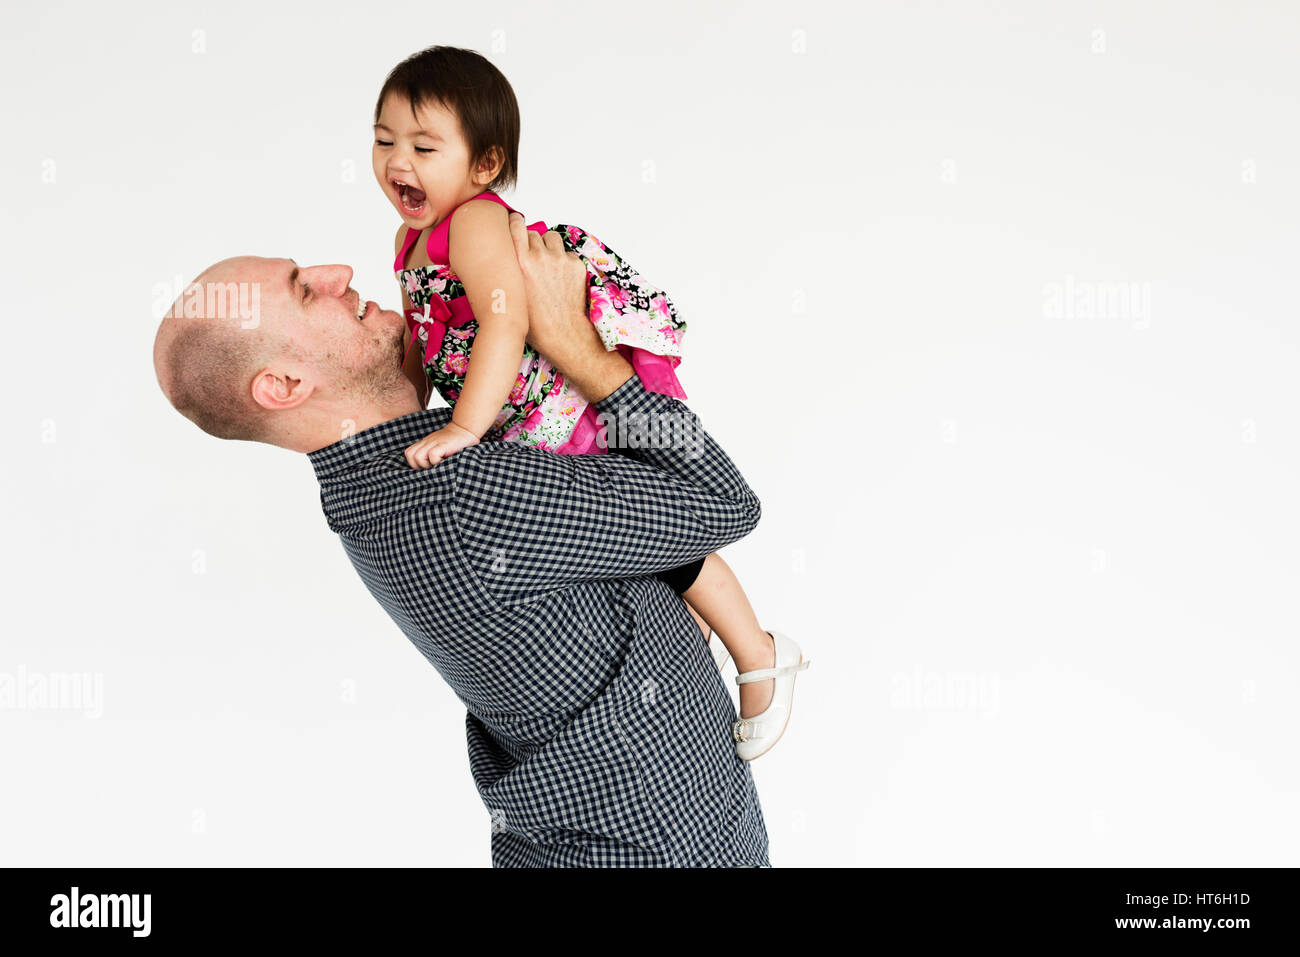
column 412, row 200
column 363, row 308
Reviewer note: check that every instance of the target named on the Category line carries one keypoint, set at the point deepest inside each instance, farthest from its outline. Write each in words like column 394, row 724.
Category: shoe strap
column 765, row 673
column 748, row 729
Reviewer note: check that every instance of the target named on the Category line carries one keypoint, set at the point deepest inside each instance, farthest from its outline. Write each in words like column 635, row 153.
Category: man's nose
column 334, row 278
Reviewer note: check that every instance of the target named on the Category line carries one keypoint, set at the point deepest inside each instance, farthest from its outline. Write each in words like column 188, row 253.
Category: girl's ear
column 489, row 166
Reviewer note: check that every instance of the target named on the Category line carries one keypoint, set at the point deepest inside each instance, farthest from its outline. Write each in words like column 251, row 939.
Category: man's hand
column 436, row 446
column 555, row 282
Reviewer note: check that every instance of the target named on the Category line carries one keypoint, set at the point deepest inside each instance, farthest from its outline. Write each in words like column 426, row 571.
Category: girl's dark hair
column 467, row 84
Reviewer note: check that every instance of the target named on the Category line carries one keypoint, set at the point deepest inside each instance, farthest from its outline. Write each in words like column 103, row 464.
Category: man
column 598, row 725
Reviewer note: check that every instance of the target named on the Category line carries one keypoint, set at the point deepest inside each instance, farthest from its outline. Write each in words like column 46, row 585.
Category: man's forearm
column 593, row 370
column 655, row 505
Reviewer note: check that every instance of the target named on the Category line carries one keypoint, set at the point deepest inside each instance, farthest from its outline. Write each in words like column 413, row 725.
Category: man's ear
column 273, row 391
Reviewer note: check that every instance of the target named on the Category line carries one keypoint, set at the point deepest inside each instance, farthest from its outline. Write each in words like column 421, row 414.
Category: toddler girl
column 446, row 140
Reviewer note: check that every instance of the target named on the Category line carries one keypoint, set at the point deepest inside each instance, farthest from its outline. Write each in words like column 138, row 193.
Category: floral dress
column 543, row 410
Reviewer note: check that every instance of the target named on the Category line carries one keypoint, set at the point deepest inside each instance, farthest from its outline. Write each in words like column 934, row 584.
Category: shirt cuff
column 629, row 402
column 631, row 396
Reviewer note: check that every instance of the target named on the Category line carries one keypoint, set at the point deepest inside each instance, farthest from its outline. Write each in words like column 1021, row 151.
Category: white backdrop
column 993, row 304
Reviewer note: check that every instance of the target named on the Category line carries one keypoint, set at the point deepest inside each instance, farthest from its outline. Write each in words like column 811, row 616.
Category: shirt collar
column 377, row 440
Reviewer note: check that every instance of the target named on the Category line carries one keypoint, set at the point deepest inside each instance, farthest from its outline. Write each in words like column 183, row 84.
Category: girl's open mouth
column 411, row 199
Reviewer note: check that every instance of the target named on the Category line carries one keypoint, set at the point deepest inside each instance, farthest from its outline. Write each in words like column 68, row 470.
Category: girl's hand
column 436, row 446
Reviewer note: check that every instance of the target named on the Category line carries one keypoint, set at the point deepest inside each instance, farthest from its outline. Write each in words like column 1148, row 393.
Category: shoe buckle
column 740, row 730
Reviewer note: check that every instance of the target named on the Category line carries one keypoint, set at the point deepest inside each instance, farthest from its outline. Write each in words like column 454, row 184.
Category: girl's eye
column 306, row 292
column 425, row 149
column 383, row 143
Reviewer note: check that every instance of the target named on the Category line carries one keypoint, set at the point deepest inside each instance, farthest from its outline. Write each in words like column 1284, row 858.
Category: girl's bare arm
column 483, row 255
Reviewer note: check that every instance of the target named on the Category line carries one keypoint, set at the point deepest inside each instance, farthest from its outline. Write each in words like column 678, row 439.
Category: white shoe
column 720, row 654
column 755, row 736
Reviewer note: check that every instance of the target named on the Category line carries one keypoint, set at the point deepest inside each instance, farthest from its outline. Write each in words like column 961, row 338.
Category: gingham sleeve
column 530, row 521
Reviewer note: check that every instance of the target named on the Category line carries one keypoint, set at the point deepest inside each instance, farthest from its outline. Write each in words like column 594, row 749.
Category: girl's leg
column 717, row 598
column 705, row 630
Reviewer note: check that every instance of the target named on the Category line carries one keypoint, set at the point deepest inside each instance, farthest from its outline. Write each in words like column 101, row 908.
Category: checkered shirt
column 598, row 725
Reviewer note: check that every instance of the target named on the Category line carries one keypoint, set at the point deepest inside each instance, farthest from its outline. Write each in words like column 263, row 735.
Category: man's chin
column 399, row 334
column 395, row 318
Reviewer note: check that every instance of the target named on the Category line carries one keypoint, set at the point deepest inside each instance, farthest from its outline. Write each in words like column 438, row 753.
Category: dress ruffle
column 631, row 315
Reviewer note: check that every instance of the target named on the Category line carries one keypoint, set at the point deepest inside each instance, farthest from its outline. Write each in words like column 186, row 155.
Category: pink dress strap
column 488, row 194
column 407, row 242
column 438, row 245
column 439, row 237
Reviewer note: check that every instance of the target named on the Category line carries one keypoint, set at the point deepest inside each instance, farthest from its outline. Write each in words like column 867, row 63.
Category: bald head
column 209, row 346
column 267, row 351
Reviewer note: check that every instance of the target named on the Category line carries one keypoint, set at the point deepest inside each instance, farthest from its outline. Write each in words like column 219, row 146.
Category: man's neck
column 334, row 428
